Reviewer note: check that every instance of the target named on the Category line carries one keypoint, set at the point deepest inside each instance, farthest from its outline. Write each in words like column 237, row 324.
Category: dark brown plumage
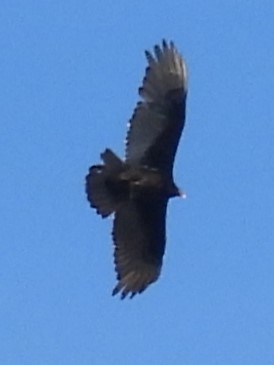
column 137, row 189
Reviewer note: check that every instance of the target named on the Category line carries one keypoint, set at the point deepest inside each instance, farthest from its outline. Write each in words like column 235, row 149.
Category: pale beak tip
column 183, row 194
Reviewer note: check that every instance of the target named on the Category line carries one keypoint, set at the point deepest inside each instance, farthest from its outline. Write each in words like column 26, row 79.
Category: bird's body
column 137, row 189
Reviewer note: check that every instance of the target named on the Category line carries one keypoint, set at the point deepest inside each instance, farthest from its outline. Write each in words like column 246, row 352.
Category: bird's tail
column 99, row 189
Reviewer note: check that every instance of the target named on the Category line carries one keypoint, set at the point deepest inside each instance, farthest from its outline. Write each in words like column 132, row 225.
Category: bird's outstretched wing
column 158, row 120
column 139, row 239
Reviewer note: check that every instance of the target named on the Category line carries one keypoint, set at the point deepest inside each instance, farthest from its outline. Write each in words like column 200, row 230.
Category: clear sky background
column 69, row 73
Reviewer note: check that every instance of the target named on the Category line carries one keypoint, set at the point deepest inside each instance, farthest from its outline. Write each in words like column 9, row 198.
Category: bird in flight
column 136, row 189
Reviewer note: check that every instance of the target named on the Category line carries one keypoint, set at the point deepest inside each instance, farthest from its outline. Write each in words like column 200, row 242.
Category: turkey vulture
column 137, row 189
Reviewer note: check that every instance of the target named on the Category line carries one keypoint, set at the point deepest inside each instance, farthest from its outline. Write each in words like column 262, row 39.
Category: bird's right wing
column 139, row 239
column 158, row 120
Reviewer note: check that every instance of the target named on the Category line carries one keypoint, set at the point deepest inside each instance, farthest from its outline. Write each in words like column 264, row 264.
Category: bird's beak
column 182, row 194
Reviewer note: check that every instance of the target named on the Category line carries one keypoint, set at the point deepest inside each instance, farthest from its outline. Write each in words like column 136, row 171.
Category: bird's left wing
column 139, row 239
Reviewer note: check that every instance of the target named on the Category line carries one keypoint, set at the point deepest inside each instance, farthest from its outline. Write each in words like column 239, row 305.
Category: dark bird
column 137, row 189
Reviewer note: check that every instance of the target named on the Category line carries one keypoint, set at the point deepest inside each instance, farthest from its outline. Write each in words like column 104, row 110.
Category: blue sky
column 69, row 75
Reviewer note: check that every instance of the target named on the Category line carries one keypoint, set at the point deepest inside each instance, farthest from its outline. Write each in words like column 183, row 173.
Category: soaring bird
column 137, row 189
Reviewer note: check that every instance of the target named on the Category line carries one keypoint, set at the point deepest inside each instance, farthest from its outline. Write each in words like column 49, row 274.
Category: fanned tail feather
column 98, row 193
